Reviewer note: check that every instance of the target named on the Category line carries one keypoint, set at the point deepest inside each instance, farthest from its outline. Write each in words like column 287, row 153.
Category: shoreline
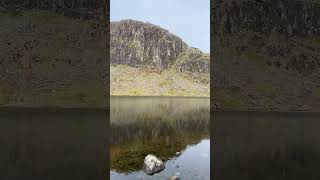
column 6, row 108
column 145, row 96
column 263, row 111
column 86, row 109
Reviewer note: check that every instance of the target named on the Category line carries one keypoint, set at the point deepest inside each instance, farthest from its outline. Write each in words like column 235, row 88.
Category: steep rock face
column 136, row 43
column 85, row 9
column 193, row 60
column 55, row 4
column 291, row 17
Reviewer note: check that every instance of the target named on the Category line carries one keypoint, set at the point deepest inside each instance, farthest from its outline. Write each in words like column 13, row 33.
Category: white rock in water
column 152, row 164
column 174, row 178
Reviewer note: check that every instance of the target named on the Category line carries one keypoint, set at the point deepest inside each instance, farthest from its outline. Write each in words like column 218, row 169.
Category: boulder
column 174, row 178
column 216, row 106
column 152, row 164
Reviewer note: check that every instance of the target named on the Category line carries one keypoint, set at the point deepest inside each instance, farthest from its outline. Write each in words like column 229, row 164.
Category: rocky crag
column 86, row 9
column 266, row 54
column 157, row 59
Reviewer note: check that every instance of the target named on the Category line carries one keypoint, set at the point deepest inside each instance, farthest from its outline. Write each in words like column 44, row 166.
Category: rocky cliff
column 290, row 17
column 55, row 4
column 85, row 9
column 136, row 43
column 149, row 47
column 266, row 54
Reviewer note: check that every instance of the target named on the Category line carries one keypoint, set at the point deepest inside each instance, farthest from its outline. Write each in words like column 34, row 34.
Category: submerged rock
column 152, row 164
column 174, row 178
column 217, row 106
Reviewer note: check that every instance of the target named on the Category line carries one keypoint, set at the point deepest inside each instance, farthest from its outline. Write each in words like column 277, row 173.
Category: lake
column 265, row 146
column 161, row 126
column 53, row 144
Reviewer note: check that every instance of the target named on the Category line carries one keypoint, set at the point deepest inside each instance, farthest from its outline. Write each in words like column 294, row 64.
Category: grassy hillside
column 144, row 81
column 47, row 59
column 256, row 71
column 266, row 55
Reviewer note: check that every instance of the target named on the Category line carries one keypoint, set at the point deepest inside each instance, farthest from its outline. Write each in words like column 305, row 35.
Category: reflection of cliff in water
column 154, row 126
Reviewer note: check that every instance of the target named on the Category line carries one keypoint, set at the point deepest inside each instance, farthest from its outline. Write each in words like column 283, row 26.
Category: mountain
column 149, row 60
column 266, row 54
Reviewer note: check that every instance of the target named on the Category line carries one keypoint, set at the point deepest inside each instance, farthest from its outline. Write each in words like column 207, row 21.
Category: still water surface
column 160, row 126
column 266, row 146
column 53, row 144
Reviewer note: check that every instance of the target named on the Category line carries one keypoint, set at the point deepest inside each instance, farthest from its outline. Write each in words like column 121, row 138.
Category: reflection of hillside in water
column 160, row 126
column 53, row 144
column 258, row 145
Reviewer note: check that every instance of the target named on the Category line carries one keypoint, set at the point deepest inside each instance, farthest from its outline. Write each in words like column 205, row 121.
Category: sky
column 188, row 19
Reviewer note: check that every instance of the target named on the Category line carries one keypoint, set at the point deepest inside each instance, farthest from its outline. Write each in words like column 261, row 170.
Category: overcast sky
column 188, row 19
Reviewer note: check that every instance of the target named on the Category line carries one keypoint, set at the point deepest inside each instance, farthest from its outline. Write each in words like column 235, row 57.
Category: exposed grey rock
column 136, row 44
column 152, row 164
column 293, row 17
column 216, row 106
column 193, row 60
column 55, row 4
column 85, row 9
